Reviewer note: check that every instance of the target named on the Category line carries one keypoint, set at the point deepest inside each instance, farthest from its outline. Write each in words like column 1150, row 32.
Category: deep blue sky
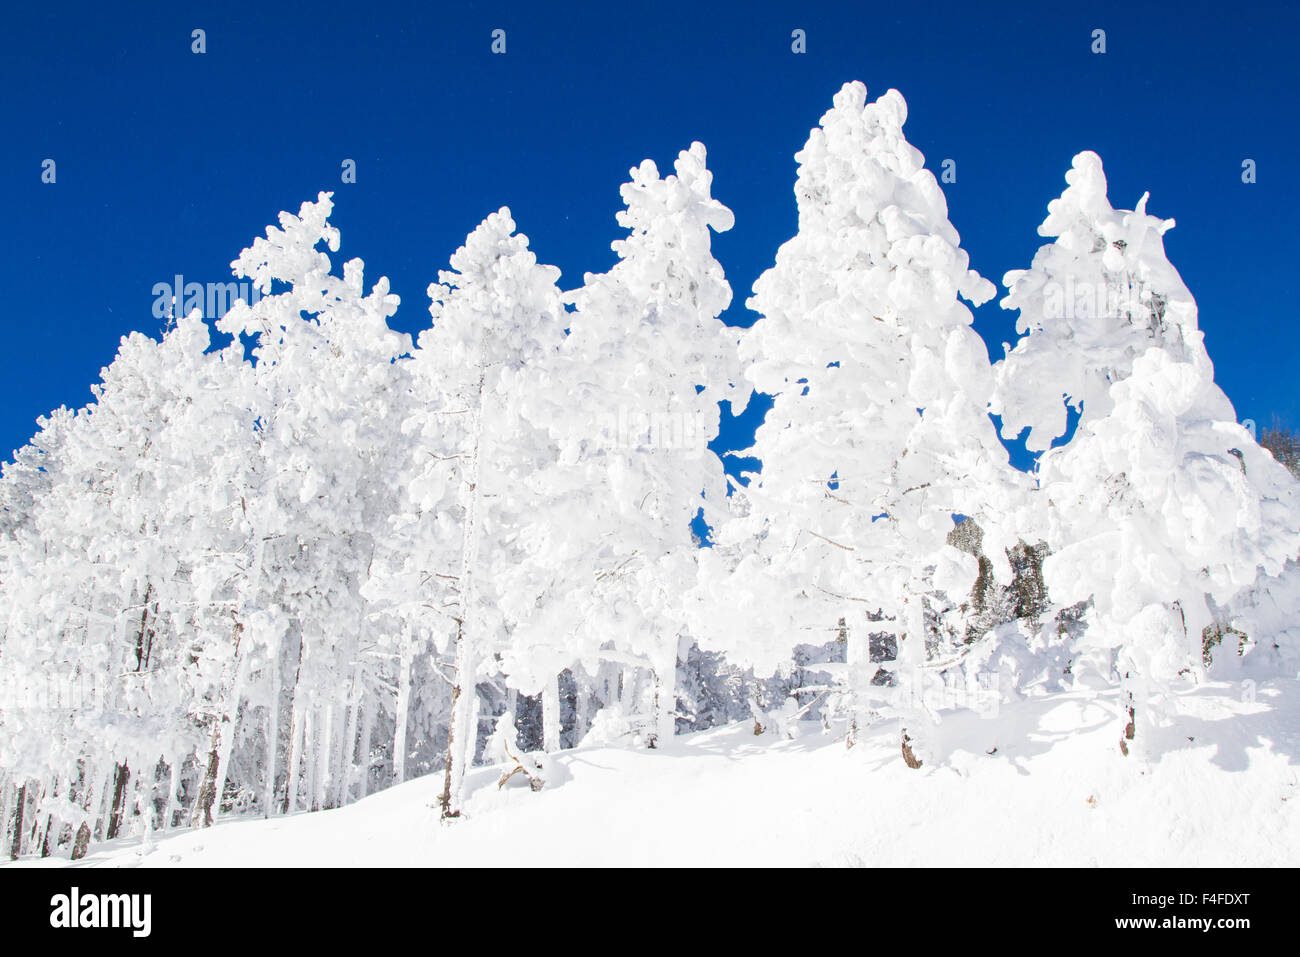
column 170, row 162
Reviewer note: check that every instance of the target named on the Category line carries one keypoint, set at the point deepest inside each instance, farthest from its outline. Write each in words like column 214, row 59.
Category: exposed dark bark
column 119, row 801
column 17, row 847
column 82, row 844
column 144, row 639
column 1129, row 730
column 45, row 841
column 446, row 799
column 202, row 816
column 908, row 757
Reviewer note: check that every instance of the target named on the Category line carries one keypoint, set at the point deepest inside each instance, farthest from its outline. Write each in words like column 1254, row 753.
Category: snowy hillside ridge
column 1052, row 793
column 295, row 557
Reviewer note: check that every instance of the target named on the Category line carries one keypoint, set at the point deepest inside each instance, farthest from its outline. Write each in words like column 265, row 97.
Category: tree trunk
column 169, row 812
column 1133, row 695
column 551, row 718
column 665, row 696
column 6, row 810
column 82, row 842
column 347, row 765
column 144, row 638
column 367, row 732
column 311, row 759
column 475, row 722
column 16, row 847
column 1130, row 729
column 45, row 836
column 145, row 804
column 104, row 812
column 909, row 758
column 272, row 733
column 403, row 710
column 461, row 737
column 755, row 712
column 119, row 801
column 202, row 813
column 857, row 654
column 297, row 734
column 329, row 769
column 455, row 770
column 208, row 803
column 226, row 743
column 582, row 706
column 911, row 654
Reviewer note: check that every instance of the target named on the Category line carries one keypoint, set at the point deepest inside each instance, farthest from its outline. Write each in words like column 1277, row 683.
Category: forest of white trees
column 285, row 563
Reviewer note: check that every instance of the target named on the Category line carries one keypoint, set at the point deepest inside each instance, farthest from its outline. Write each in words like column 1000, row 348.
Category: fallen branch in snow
column 948, row 662
column 535, row 781
column 811, row 704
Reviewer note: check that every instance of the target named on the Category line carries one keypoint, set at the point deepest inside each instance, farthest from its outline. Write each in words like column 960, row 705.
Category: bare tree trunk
column 272, row 732
column 582, row 706
column 911, row 653
column 34, row 832
column 348, row 745
column 475, row 724
column 551, row 718
column 349, row 764
column 311, row 745
column 297, row 735
column 104, row 812
column 201, row 816
column 856, row 662
column 214, row 777
column 6, row 808
column 325, row 727
column 297, row 731
column 367, row 733
column 403, row 709
column 1130, row 729
column 169, row 812
column 145, row 803
column 1134, row 698
column 609, row 678
column 119, row 802
column 461, row 736
column 227, row 743
column 665, row 696
column 16, row 847
column 45, row 836
column 144, row 638
column 82, row 842
column 328, row 754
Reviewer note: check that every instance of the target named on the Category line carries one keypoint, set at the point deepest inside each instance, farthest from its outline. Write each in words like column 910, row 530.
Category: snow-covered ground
column 1055, row 791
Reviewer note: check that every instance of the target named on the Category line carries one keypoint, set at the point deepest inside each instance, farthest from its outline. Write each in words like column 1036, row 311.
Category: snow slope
column 1055, row 792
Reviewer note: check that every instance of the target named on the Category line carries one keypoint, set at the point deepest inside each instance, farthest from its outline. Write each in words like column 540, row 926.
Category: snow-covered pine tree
column 649, row 362
column 328, row 394
column 878, row 434
column 1160, row 509
column 116, row 576
column 496, row 322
